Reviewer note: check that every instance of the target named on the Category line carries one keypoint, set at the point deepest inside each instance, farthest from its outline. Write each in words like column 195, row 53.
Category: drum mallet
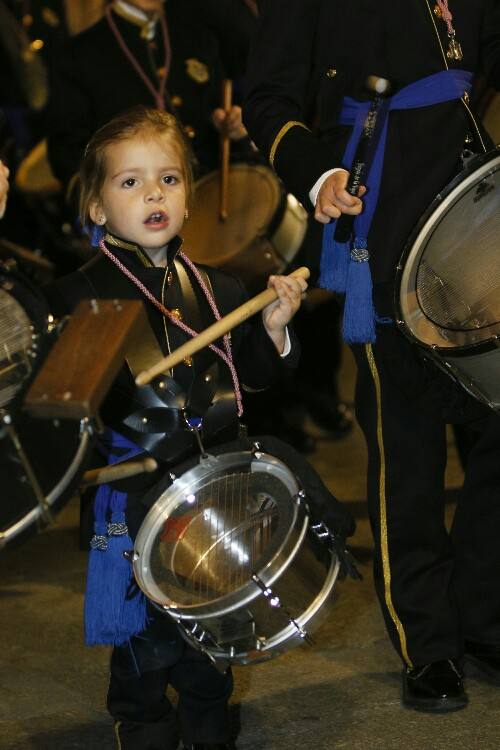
column 379, row 88
column 215, row 331
column 123, row 470
column 225, row 151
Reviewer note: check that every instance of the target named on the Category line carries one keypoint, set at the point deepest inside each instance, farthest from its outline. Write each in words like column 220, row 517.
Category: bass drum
column 229, row 551
column 40, row 460
column 262, row 234
column 448, row 283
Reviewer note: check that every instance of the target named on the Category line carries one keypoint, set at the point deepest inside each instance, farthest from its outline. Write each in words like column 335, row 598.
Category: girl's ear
column 97, row 214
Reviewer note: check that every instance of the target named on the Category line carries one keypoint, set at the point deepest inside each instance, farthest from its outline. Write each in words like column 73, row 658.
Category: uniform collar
column 136, row 16
column 135, row 250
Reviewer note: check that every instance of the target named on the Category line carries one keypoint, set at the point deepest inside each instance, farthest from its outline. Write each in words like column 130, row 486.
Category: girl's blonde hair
column 137, row 121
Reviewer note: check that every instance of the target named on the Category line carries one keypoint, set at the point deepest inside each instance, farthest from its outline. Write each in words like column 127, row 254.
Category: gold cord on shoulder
column 284, row 130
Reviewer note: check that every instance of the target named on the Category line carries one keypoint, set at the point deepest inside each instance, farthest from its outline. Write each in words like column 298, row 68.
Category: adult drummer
column 142, row 52
column 438, row 591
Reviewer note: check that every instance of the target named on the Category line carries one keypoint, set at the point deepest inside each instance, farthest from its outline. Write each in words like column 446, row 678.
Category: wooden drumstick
column 118, row 471
column 215, row 331
column 225, row 151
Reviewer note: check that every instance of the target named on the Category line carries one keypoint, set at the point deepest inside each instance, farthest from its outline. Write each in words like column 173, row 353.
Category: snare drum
column 448, row 283
column 40, row 460
column 229, row 551
column 262, row 234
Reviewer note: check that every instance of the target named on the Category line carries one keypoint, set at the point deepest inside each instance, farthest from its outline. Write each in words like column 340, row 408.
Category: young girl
column 135, row 192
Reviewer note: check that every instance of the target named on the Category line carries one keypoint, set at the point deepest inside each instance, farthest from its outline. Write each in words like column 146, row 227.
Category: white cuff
column 313, row 193
column 288, row 346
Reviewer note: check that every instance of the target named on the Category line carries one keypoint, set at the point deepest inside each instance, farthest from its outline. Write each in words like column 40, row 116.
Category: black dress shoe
column 435, row 687
column 486, row 660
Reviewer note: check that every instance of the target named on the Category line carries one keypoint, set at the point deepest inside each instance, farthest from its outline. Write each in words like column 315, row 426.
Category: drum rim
column 268, row 573
column 439, row 203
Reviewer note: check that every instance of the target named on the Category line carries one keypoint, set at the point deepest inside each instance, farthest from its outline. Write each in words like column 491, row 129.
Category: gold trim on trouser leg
column 384, row 540
column 284, row 130
column 117, row 728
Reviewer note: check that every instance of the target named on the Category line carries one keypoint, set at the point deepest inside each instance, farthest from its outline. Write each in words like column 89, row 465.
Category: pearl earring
column 186, row 214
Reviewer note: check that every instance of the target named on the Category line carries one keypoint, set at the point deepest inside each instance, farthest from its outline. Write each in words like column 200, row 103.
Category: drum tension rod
column 275, row 602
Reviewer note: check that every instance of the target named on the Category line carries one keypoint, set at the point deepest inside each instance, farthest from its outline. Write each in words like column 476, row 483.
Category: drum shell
column 41, row 461
column 245, row 625
column 262, row 234
column 468, row 354
column 305, row 590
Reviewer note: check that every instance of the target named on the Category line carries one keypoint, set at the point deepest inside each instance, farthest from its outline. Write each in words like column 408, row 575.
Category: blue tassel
column 334, row 262
column 127, row 610
column 359, row 312
column 96, row 594
column 95, row 233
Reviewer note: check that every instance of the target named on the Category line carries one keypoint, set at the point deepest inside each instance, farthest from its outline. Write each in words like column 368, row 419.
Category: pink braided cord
column 226, row 355
column 446, row 15
column 158, row 94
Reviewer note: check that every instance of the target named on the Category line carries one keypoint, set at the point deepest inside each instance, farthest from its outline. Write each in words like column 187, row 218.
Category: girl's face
column 143, row 199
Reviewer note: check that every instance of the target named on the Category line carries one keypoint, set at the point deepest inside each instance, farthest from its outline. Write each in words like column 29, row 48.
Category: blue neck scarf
column 344, row 266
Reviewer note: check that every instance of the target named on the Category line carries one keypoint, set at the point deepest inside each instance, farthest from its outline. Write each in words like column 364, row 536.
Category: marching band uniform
column 438, row 592
column 97, row 76
column 142, row 668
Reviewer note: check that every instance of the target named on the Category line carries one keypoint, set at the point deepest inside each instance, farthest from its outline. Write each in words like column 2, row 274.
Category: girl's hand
column 4, row 188
column 279, row 313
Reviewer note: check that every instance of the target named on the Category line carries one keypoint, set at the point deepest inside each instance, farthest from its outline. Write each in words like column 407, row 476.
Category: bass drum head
column 216, row 526
column 449, row 276
column 254, row 198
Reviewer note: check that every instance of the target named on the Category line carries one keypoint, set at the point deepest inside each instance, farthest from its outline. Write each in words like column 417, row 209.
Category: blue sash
column 114, row 609
column 344, row 266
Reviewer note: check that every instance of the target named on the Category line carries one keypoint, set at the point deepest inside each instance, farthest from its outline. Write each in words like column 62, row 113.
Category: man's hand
column 229, row 124
column 334, row 200
column 4, row 188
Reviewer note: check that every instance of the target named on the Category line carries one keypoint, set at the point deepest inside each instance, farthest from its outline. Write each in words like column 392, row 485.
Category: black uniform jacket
column 93, row 80
column 309, row 54
column 204, row 386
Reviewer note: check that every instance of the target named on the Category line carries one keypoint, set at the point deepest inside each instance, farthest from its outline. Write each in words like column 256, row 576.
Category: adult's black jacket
column 309, row 54
column 92, row 80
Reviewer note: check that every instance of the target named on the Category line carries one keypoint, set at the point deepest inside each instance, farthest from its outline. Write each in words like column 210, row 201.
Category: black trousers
column 140, row 673
column 435, row 588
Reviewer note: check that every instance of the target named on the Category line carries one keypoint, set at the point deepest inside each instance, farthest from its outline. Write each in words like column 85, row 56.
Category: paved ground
column 343, row 693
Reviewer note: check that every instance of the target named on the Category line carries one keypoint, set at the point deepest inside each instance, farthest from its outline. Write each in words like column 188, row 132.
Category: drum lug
column 256, row 450
column 130, row 555
column 300, row 497
column 321, row 530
